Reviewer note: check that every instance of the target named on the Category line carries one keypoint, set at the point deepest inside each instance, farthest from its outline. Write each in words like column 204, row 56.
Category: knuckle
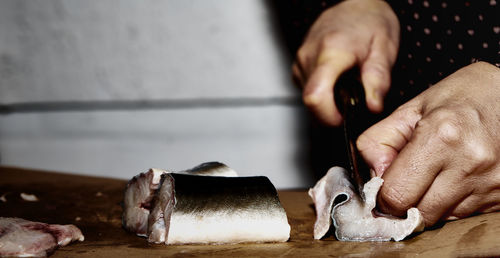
column 394, row 200
column 409, row 109
column 364, row 141
column 447, row 125
column 337, row 44
column 311, row 100
column 448, row 131
column 481, row 155
column 480, row 65
column 328, row 40
column 302, row 56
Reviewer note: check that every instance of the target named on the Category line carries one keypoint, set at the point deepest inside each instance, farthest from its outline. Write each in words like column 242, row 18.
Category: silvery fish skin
column 141, row 189
column 210, row 169
column 24, row 238
column 218, row 210
column 352, row 217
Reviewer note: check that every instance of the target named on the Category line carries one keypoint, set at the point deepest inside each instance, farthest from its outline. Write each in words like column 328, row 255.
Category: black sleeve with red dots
column 440, row 37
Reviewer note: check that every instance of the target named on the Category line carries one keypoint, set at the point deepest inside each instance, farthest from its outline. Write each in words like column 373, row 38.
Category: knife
column 350, row 101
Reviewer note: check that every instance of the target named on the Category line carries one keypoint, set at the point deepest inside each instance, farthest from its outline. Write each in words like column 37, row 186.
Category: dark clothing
column 440, row 37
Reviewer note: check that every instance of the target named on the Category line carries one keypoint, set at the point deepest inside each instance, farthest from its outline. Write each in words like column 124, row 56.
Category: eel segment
column 141, row 190
column 192, row 207
column 354, row 220
column 23, row 238
column 209, row 210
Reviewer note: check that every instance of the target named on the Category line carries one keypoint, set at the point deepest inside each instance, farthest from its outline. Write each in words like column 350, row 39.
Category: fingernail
column 372, row 82
column 375, row 95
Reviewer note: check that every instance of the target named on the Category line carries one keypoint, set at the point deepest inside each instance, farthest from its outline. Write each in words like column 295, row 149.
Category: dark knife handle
column 350, row 101
column 349, row 94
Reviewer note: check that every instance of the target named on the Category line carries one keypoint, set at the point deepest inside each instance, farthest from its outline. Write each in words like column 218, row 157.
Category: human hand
column 363, row 32
column 440, row 152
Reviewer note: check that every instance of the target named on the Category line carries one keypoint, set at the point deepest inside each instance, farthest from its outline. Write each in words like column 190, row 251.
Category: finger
column 376, row 72
column 306, row 58
column 381, row 143
column 298, row 76
column 318, row 92
column 446, row 192
column 464, row 208
column 476, row 203
column 414, row 169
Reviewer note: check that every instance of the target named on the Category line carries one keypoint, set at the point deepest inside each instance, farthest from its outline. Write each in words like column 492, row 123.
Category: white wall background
column 114, row 49
column 74, row 53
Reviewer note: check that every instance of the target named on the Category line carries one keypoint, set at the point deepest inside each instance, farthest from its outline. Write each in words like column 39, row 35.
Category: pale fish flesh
column 141, row 190
column 354, row 219
column 23, row 238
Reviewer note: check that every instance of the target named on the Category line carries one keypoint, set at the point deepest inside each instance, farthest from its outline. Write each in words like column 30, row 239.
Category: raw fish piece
column 141, row 189
column 217, row 210
column 23, row 238
column 335, row 199
column 137, row 203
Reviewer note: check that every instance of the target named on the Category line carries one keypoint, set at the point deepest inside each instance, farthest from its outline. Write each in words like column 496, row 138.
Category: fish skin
column 208, row 204
column 216, row 210
column 213, row 168
column 156, row 226
column 336, row 201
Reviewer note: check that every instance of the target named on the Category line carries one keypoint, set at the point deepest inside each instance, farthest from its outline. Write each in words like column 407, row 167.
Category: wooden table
column 94, row 205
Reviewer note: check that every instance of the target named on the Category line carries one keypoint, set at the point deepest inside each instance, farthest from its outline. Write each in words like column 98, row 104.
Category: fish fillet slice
column 217, row 210
column 335, row 200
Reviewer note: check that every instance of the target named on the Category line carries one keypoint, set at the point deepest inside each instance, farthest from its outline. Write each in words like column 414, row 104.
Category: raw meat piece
column 217, row 210
column 138, row 196
column 141, row 190
column 352, row 217
column 23, row 238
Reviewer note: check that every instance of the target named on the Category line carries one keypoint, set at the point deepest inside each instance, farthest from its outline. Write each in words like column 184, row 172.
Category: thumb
column 381, row 143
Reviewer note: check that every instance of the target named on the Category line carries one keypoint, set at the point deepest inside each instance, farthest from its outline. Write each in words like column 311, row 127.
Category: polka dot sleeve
column 440, row 37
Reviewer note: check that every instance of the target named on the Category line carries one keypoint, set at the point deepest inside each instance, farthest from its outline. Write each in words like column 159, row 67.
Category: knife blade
column 350, row 101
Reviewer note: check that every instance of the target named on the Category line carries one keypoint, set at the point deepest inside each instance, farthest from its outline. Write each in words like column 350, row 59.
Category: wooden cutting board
column 94, row 205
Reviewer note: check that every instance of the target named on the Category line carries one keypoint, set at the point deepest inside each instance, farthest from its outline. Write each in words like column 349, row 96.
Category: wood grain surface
column 94, row 205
